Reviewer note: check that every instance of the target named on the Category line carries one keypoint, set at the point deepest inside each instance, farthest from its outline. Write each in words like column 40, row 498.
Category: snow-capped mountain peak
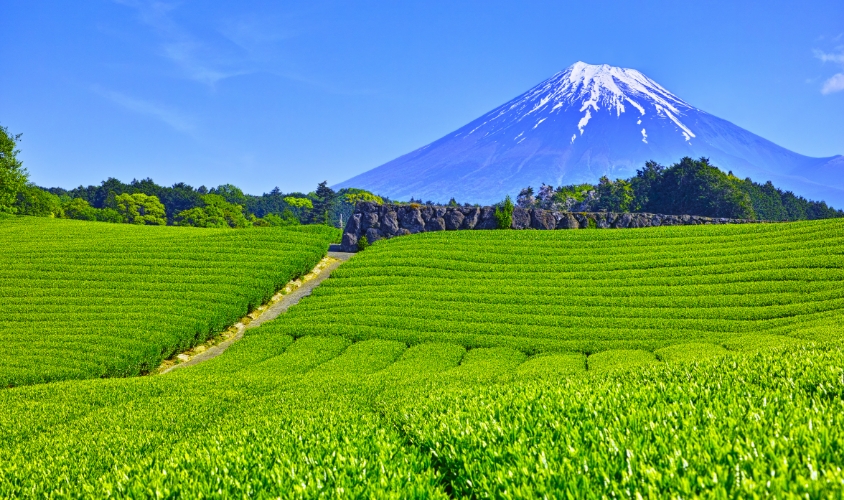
column 612, row 86
column 584, row 122
column 590, row 89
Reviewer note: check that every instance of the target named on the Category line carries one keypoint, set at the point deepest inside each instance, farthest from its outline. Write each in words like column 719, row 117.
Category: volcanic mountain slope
column 585, row 122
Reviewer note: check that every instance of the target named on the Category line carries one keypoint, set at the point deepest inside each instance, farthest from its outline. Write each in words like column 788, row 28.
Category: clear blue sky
column 268, row 93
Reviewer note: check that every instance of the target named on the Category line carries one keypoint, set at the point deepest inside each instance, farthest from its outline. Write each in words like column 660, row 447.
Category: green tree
column 695, row 187
column 79, row 209
column 614, row 196
column 215, row 212
column 504, row 214
column 109, row 215
column 643, row 183
column 32, row 200
column 199, row 217
column 230, row 193
column 323, row 204
column 232, row 213
column 299, row 202
column 287, row 218
column 354, row 196
column 13, row 177
column 141, row 209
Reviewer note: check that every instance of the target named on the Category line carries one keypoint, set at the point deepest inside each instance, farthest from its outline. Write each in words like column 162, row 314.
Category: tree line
column 145, row 202
column 692, row 187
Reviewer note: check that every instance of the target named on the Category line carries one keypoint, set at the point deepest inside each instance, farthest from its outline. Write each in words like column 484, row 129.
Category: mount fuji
column 585, row 122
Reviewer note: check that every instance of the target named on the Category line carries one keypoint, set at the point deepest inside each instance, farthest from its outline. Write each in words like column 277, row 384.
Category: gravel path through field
column 271, row 312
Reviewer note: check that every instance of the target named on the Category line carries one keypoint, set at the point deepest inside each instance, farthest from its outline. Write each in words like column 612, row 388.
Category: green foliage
column 229, row 193
column 32, row 200
column 728, row 427
column 770, row 203
column 180, row 199
column 13, row 177
column 116, row 299
column 363, row 243
column 690, row 187
column 614, row 196
column 585, row 291
column 324, row 204
column 79, row 209
column 299, row 202
column 644, row 183
column 140, row 209
column 215, row 212
column 477, row 364
column 504, row 214
column 695, row 187
column 576, row 192
column 287, row 218
column 354, row 196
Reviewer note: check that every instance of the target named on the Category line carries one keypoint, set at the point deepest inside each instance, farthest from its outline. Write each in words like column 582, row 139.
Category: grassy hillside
column 442, row 412
column 734, row 287
column 84, row 300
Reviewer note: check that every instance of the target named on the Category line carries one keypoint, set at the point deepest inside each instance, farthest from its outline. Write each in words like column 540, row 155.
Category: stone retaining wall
column 386, row 221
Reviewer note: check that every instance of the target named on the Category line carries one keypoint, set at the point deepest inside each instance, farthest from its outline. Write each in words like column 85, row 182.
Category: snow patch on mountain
column 592, row 89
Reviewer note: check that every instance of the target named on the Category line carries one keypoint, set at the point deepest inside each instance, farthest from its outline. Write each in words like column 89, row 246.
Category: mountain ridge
column 585, row 122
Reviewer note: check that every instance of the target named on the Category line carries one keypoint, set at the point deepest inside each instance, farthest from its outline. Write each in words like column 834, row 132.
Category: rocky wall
column 387, row 221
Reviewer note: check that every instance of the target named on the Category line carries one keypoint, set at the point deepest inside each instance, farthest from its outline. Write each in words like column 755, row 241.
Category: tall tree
column 643, row 183
column 323, row 204
column 13, row 177
column 614, row 196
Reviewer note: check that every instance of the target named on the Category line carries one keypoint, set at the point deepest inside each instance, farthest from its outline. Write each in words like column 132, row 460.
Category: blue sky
column 268, row 93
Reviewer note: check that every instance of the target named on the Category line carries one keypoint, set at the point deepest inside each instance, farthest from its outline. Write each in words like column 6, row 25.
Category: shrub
column 504, row 214
column 362, row 243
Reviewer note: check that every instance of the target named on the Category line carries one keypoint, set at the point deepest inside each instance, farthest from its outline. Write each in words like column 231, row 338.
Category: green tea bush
column 696, row 362
column 737, row 287
column 88, row 300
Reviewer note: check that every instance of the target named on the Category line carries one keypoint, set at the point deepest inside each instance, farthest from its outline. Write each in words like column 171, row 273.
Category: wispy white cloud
column 196, row 58
column 171, row 117
column 831, row 56
column 836, row 82
column 242, row 44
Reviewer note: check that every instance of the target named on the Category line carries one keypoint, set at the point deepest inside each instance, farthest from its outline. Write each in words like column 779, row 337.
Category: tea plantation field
column 86, row 300
column 650, row 290
column 483, row 364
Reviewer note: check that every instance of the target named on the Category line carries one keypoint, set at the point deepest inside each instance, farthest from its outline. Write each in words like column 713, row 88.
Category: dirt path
column 266, row 313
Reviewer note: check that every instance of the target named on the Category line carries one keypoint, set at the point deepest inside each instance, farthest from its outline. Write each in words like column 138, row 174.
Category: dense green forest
column 225, row 205
column 145, row 202
column 693, row 187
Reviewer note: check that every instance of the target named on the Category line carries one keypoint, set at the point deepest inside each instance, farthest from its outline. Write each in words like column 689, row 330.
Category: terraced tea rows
column 725, row 286
column 321, row 417
column 82, row 300
column 678, row 415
